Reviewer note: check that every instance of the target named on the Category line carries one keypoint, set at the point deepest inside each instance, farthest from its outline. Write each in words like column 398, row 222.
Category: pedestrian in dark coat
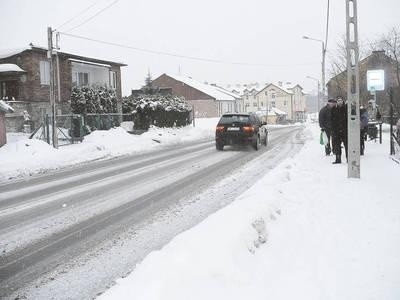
column 339, row 129
column 325, row 123
column 363, row 128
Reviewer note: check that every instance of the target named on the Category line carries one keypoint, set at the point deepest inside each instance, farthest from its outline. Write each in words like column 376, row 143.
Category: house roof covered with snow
column 4, row 107
column 272, row 111
column 218, row 93
column 5, row 68
column 285, row 87
column 278, row 111
column 236, row 96
column 243, row 89
column 5, row 53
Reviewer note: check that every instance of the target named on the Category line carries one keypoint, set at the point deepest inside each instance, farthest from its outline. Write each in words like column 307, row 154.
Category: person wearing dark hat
column 339, row 129
column 325, row 123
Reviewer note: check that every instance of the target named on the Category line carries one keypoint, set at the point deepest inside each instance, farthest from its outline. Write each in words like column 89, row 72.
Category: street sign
column 376, row 80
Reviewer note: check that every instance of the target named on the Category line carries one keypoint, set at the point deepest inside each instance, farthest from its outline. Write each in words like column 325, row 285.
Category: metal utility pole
column 323, row 72
column 318, row 90
column 353, row 82
column 52, row 94
column 322, row 63
column 392, row 152
column 58, row 68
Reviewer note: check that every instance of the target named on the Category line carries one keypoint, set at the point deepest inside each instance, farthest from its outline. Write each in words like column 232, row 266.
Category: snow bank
column 304, row 231
column 22, row 156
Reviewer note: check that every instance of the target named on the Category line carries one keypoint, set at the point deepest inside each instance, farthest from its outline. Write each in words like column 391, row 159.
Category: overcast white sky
column 253, row 31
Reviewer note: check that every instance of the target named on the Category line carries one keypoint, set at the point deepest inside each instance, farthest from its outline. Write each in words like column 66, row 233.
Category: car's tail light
column 220, row 128
column 248, row 129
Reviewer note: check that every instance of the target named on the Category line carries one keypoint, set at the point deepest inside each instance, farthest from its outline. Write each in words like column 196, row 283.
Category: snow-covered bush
column 157, row 109
column 95, row 99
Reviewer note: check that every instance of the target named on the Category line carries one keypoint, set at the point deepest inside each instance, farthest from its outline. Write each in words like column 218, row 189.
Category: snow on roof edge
column 205, row 88
column 10, row 68
column 5, row 53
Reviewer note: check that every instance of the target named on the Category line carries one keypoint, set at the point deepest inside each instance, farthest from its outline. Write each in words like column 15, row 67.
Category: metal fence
column 71, row 128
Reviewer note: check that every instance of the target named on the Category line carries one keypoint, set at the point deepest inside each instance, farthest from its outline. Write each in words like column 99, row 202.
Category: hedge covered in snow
column 95, row 99
column 157, row 109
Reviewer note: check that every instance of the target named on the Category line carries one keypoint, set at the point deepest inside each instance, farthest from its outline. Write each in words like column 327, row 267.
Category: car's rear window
column 228, row 119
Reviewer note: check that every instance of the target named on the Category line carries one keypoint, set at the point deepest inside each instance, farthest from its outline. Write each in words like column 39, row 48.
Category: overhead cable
column 92, row 17
column 78, row 14
column 178, row 55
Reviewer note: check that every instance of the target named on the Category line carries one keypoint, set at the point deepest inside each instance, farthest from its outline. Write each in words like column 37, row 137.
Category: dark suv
column 240, row 129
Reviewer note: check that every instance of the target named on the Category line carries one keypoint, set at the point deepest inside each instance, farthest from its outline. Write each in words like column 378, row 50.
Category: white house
column 285, row 97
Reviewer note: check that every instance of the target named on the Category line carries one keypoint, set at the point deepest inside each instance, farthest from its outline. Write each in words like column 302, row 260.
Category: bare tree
column 338, row 65
column 390, row 42
column 338, row 68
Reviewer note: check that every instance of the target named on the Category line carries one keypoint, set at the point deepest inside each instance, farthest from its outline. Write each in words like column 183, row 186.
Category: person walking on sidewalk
column 325, row 123
column 363, row 128
column 339, row 129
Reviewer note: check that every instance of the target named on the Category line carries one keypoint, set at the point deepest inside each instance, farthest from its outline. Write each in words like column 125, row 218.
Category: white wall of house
column 224, row 106
column 273, row 96
column 299, row 102
column 287, row 98
column 97, row 75
column 253, row 102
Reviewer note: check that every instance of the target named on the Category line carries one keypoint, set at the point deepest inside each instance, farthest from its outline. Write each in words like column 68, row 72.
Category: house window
column 44, row 72
column 273, row 96
column 273, row 103
column 113, row 79
column 262, row 103
column 82, row 79
column 284, row 103
column 255, row 104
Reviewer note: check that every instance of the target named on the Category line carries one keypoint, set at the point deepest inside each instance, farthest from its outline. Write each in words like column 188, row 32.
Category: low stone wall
column 15, row 121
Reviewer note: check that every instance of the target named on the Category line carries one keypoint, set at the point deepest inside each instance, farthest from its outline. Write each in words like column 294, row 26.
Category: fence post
column 72, row 130
column 391, row 122
column 194, row 122
column 47, row 129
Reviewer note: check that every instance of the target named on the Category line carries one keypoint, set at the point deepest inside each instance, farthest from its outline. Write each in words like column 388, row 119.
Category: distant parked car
column 240, row 129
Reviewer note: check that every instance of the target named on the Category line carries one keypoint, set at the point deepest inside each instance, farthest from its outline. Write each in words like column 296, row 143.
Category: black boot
column 338, row 160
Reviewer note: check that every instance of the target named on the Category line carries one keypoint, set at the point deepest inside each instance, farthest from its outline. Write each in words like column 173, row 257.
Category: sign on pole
column 375, row 80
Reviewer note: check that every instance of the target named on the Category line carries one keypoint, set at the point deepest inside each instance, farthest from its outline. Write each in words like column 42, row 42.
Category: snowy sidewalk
column 327, row 237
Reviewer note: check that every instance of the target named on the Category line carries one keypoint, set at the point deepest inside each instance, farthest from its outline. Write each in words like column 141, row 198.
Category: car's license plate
column 233, row 128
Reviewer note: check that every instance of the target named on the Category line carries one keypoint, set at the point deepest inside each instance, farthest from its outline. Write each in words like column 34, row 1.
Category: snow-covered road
column 52, row 226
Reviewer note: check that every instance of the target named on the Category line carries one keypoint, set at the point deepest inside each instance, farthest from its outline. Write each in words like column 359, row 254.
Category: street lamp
column 323, row 61
column 315, row 79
